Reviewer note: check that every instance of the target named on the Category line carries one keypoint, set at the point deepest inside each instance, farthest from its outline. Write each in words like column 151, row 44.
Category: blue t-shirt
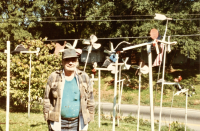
column 70, row 99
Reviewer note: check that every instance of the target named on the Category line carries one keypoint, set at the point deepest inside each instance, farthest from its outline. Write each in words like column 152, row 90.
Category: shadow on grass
column 38, row 124
column 105, row 124
column 1, row 128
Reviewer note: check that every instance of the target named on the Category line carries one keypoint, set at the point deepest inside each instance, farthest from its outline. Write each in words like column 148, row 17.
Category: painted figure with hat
column 69, row 101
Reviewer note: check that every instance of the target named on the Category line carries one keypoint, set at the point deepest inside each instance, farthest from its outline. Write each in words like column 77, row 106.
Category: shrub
column 41, row 67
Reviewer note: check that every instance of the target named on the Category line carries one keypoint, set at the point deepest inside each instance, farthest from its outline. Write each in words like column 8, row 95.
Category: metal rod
column 99, row 87
column 103, row 69
column 171, row 109
column 119, row 95
column 150, row 85
column 8, row 86
column 136, row 46
column 138, row 120
column 89, row 50
column 120, row 80
column 115, row 92
column 186, row 110
column 163, row 77
column 29, row 92
column 157, row 84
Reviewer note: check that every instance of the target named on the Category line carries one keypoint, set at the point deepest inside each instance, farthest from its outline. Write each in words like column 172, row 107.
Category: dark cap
column 69, row 53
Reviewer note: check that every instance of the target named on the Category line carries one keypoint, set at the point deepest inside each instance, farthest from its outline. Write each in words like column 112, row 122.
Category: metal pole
column 121, row 94
column 163, row 77
column 138, row 120
column 29, row 92
column 115, row 92
column 99, row 86
column 151, row 86
column 8, row 86
column 119, row 98
column 136, row 46
column 171, row 109
column 89, row 50
column 186, row 110
column 157, row 84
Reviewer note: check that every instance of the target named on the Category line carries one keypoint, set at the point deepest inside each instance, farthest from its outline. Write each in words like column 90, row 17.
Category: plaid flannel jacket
column 53, row 96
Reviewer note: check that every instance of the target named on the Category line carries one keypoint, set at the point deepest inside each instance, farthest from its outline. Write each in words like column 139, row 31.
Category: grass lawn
column 20, row 122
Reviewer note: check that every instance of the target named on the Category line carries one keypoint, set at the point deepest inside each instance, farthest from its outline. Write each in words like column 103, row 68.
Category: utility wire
column 68, row 21
column 112, row 16
column 122, row 37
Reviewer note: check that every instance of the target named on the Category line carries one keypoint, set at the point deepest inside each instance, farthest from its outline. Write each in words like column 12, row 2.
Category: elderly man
column 69, row 102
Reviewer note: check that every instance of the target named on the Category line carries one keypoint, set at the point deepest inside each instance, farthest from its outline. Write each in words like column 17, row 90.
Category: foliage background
column 25, row 21
column 41, row 67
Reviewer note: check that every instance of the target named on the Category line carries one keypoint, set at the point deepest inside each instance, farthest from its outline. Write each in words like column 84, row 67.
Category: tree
column 22, row 22
column 20, row 19
column 136, row 10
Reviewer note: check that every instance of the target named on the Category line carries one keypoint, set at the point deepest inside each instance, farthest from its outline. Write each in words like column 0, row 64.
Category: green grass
column 20, row 122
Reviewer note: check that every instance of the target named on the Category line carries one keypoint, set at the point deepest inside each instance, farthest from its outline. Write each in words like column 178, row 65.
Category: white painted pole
column 29, row 90
column 186, row 110
column 151, row 85
column 99, row 87
column 89, row 50
column 8, row 86
column 119, row 98
column 115, row 92
column 121, row 94
column 138, row 120
column 136, row 46
column 163, row 77
column 171, row 109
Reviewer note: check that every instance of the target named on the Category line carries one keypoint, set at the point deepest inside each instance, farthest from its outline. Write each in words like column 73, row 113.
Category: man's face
column 69, row 64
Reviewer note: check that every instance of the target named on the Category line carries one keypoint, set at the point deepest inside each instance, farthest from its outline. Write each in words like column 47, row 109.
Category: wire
column 108, row 20
column 94, row 20
column 111, row 16
column 122, row 37
column 68, row 21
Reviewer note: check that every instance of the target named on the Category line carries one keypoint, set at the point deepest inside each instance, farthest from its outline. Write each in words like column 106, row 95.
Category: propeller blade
column 96, row 46
column 144, row 69
column 111, row 47
column 75, row 43
column 68, row 45
column 125, row 61
column 126, row 67
column 107, row 51
column 86, row 42
column 93, row 38
column 95, row 65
